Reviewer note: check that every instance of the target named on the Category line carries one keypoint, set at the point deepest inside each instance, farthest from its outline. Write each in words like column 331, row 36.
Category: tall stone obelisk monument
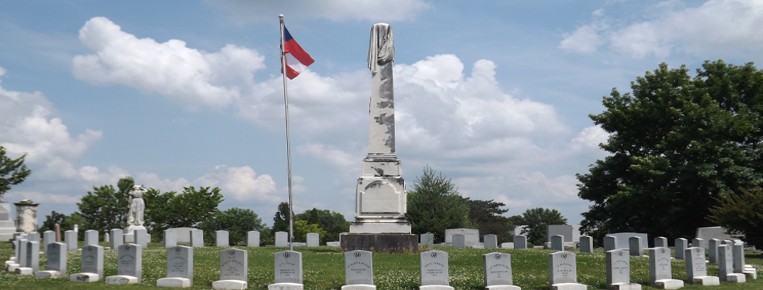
column 380, row 223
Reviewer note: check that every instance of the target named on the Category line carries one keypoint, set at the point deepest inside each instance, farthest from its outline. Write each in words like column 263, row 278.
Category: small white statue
column 135, row 215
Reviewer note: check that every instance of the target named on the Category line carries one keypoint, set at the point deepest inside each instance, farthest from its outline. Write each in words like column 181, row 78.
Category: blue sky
column 493, row 94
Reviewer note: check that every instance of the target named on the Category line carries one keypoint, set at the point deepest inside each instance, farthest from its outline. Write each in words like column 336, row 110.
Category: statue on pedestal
column 135, row 215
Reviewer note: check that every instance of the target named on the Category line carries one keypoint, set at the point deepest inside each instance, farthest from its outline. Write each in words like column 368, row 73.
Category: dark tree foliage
column 487, row 216
column 741, row 214
column 66, row 222
column 281, row 218
column 676, row 145
column 12, row 171
column 236, row 221
column 105, row 207
column 435, row 205
column 172, row 210
column 536, row 221
column 331, row 222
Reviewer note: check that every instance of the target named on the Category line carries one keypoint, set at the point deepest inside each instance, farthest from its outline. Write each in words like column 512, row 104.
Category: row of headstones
column 117, row 237
column 358, row 267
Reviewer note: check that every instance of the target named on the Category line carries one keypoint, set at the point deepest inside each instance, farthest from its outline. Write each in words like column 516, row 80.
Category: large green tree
column 12, row 171
column 186, row 209
column 330, row 222
column 435, row 205
column 677, row 144
column 536, row 221
column 236, row 221
column 487, row 216
column 741, row 214
column 106, row 207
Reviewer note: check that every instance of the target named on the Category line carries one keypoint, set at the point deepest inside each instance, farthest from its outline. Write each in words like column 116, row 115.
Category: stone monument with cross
column 380, row 224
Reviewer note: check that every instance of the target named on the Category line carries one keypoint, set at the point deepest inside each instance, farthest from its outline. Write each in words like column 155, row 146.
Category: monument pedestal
column 7, row 226
column 380, row 242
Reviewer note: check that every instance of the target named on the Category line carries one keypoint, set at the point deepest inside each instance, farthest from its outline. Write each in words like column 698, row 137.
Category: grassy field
column 324, row 269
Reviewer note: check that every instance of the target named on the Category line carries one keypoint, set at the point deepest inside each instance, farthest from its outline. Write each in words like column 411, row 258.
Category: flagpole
column 288, row 143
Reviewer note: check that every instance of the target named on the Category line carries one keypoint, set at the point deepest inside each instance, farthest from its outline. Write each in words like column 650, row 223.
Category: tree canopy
column 435, row 205
column 12, row 171
column 536, row 221
column 105, row 207
column 237, row 221
column 677, row 145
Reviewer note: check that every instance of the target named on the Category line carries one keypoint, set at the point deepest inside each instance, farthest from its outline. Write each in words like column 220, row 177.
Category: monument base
column 669, row 284
column 502, row 287
column 383, row 242
column 121, row 280
column 24, row 271
column 624, row 286
column 568, row 286
column 173, row 282
column 286, row 286
column 735, row 278
column 359, row 287
column 84, row 277
column 436, row 287
column 380, row 226
column 229, row 285
column 706, row 280
column 47, row 274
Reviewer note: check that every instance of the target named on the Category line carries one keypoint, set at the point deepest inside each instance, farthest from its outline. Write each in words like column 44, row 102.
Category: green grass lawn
column 324, row 269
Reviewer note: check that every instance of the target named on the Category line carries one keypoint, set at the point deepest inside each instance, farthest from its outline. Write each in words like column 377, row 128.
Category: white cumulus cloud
column 242, row 183
column 189, row 76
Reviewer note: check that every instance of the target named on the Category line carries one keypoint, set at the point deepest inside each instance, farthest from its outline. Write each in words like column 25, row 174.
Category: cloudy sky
column 493, row 94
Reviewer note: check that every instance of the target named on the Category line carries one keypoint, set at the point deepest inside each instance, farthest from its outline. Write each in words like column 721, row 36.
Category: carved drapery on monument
column 380, row 223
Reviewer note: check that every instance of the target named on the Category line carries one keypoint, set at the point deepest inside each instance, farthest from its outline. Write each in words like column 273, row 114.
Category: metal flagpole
column 288, row 143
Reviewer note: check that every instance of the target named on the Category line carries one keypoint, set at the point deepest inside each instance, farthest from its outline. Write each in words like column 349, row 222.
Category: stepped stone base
column 84, row 277
column 121, row 280
column 624, row 286
column 503, row 287
column 568, row 286
column 436, row 287
column 706, row 280
column 359, row 287
column 47, row 274
column 286, row 286
column 229, row 285
column 380, row 243
column 669, row 284
column 24, row 271
column 173, row 282
column 735, row 278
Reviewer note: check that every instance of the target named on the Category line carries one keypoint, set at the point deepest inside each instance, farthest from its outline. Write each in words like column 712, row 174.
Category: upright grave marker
column 586, row 244
column 557, row 243
column 610, row 243
column 233, row 270
column 498, row 274
column 562, row 269
column 70, row 237
column 358, row 271
column 681, row 244
column 696, row 269
column 282, row 239
column 313, row 240
column 91, row 265
column 434, row 270
column 520, row 242
column 459, row 241
column 660, row 242
column 726, row 266
column 129, row 265
column 91, row 237
column 253, row 239
column 426, row 240
column 660, row 269
column 117, row 238
column 221, row 238
column 635, row 246
column 197, row 238
column 56, row 265
column 712, row 250
column 288, row 271
column 490, row 241
column 179, row 268
column 619, row 270
column 170, row 238
column 47, row 238
column 31, row 254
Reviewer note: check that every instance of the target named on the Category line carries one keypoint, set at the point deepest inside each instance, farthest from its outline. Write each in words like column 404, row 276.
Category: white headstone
column 562, row 267
column 610, row 243
column 618, row 265
column 490, row 241
column 91, row 262
column 497, row 268
column 21, row 250
column 726, row 266
column 699, row 242
column 520, row 242
column 696, row 269
column 313, row 240
column 253, row 239
column 660, row 242
column 586, row 244
column 106, row 237
column 197, row 238
column 129, row 265
column 712, row 250
column 179, row 268
column 234, row 268
column 708, row 233
column 623, row 239
column 434, row 268
column 48, row 237
column 358, row 268
column 117, row 238
column 660, row 269
column 91, row 237
column 737, row 252
column 458, row 241
column 221, row 238
column 170, row 238
column 288, row 267
column 426, row 240
column 141, row 237
column 680, row 245
column 635, row 246
column 183, row 234
column 56, row 264
column 557, row 243
column 70, row 237
column 282, row 239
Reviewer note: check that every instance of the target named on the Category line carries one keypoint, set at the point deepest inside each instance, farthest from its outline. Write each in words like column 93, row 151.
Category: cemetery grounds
column 324, row 269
